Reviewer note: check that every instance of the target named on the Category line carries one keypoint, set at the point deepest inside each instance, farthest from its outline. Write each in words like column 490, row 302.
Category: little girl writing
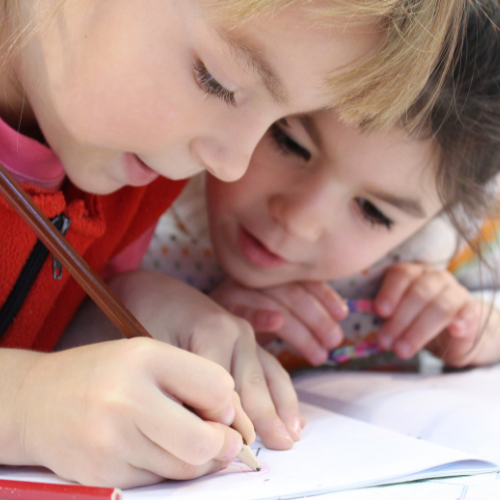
column 324, row 201
column 104, row 105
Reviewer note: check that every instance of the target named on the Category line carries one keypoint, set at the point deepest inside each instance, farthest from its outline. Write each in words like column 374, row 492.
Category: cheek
column 347, row 260
column 355, row 252
column 125, row 116
column 244, row 196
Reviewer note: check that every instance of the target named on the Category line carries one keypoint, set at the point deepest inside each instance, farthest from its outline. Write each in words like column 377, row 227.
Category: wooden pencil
column 27, row 490
column 85, row 276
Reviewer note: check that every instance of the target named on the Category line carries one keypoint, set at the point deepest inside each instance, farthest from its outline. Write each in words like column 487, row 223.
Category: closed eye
column 287, row 145
column 372, row 214
column 210, row 85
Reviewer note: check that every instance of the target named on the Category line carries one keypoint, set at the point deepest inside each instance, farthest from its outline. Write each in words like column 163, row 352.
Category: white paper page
column 428, row 490
column 479, row 487
column 336, row 453
column 460, row 411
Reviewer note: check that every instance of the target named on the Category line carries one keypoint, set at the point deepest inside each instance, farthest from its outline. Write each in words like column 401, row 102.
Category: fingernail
column 340, row 309
column 384, row 307
column 233, row 450
column 403, row 349
column 282, row 431
column 458, row 327
column 333, row 338
column 385, row 340
column 319, row 357
column 228, row 415
column 266, row 318
column 296, row 428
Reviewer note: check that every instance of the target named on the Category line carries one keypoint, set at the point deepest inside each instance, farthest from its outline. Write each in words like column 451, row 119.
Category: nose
column 302, row 215
column 226, row 153
column 219, row 159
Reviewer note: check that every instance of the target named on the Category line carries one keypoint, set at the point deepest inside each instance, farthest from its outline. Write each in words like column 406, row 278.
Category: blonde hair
column 420, row 36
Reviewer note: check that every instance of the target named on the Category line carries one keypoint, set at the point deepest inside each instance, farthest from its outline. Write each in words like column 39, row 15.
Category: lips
column 255, row 251
column 137, row 172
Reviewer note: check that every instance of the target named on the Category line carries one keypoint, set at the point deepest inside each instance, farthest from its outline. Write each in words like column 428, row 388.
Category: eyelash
column 211, row 86
column 287, row 145
column 373, row 215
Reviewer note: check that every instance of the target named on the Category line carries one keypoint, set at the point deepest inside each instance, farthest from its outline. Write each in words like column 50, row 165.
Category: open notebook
column 337, row 452
column 460, row 411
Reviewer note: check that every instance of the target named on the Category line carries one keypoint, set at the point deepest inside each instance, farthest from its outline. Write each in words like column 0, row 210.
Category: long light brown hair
column 420, row 36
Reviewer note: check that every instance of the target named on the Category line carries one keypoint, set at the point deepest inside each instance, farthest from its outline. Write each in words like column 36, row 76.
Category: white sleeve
column 181, row 245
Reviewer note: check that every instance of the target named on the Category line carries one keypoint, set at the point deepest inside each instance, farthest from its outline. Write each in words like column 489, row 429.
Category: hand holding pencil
column 101, row 414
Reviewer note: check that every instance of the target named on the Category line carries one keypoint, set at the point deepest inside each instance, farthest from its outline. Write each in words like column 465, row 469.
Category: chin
column 96, row 186
column 254, row 279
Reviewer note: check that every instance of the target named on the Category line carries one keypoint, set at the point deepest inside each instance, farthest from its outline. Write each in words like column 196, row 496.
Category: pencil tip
column 258, row 469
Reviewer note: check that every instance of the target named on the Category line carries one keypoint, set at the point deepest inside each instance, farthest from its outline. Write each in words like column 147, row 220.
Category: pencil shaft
column 93, row 285
column 25, row 490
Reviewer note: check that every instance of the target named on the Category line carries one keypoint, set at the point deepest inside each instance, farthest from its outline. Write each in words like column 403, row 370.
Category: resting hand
column 305, row 315
column 425, row 307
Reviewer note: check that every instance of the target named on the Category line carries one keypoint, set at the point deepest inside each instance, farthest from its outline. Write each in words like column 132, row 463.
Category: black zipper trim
column 28, row 275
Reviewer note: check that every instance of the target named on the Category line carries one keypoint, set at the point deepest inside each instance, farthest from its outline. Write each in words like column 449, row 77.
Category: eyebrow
column 408, row 205
column 254, row 58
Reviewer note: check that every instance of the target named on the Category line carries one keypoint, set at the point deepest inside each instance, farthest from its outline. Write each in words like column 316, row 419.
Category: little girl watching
column 377, row 215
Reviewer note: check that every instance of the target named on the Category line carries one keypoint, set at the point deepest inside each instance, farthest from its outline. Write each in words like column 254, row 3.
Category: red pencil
column 26, row 490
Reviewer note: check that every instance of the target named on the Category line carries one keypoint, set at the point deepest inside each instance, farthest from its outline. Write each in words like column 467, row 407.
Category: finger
column 150, row 458
column 265, row 338
column 216, row 341
column 468, row 320
column 197, row 382
column 255, row 396
column 283, row 394
column 306, row 308
column 328, row 298
column 241, row 422
column 265, row 321
column 457, row 349
column 431, row 321
column 453, row 351
column 214, row 338
column 416, row 298
column 395, row 284
column 298, row 336
column 184, row 434
column 108, row 468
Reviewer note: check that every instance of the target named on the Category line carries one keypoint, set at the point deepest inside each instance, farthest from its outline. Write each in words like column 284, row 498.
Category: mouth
column 137, row 172
column 256, row 252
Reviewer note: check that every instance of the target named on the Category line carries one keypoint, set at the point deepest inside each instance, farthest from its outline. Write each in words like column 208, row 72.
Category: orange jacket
column 101, row 227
